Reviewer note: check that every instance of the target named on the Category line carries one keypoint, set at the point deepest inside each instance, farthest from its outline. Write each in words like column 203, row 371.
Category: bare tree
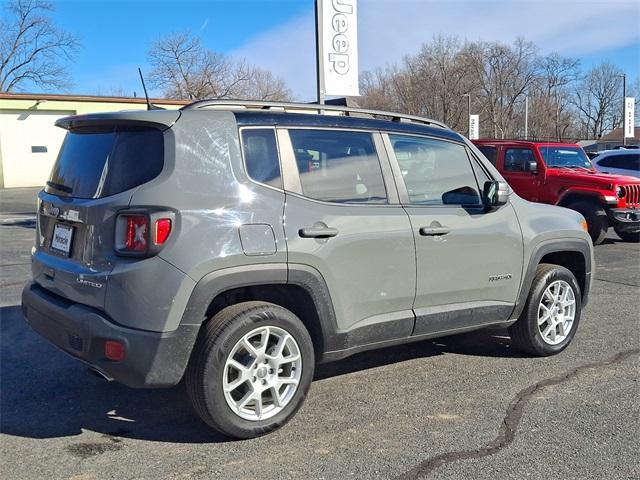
column 499, row 77
column 263, row 85
column 504, row 74
column 598, row 99
column 550, row 112
column 440, row 81
column 32, row 50
column 379, row 91
column 184, row 68
column 436, row 80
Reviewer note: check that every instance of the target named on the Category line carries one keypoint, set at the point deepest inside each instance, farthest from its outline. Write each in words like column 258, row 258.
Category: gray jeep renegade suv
column 238, row 244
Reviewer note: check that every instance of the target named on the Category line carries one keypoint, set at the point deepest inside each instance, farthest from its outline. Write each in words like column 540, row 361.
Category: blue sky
column 278, row 34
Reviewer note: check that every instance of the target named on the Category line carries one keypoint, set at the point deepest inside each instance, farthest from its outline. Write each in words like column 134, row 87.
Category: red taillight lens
column 114, row 350
column 136, row 233
column 162, row 231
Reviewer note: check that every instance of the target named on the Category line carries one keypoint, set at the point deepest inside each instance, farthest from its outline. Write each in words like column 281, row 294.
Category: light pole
column 624, row 107
column 468, row 95
column 526, row 117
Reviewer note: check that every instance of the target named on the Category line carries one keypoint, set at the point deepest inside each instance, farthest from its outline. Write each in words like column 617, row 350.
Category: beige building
column 29, row 139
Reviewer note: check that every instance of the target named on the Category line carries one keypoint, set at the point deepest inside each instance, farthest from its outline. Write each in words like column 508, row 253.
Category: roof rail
column 309, row 108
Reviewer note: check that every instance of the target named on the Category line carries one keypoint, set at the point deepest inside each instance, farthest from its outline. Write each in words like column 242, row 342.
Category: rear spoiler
column 162, row 119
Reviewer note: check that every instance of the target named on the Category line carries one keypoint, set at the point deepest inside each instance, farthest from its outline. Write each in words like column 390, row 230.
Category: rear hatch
column 101, row 163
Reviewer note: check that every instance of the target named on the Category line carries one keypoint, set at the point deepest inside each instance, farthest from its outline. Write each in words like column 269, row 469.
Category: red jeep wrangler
column 561, row 174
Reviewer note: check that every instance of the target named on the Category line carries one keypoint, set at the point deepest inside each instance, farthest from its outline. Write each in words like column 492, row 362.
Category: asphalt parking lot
column 457, row 407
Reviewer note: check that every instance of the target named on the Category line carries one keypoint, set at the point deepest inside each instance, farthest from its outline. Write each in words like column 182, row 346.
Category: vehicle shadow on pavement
column 481, row 343
column 46, row 394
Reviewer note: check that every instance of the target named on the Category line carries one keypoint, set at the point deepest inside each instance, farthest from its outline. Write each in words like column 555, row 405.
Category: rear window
column 98, row 162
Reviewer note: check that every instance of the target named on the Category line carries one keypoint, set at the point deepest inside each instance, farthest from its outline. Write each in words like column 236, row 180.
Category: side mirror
column 531, row 166
column 495, row 194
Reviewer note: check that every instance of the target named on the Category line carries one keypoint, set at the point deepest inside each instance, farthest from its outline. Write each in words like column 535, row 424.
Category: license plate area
column 62, row 239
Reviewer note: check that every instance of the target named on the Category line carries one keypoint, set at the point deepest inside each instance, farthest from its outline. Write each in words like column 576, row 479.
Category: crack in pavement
column 510, row 423
column 12, row 284
column 617, row 283
column 14, row 264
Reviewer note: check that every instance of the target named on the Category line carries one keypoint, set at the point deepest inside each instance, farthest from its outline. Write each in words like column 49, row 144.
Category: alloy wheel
column 262, row 373
column 556, row 312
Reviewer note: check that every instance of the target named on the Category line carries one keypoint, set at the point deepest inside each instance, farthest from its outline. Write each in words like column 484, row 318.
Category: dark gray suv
column 238, row 244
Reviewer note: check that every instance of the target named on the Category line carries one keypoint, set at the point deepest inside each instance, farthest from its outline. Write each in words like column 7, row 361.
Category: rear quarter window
column 490, row 152
column 261, row 156
column 99, row 162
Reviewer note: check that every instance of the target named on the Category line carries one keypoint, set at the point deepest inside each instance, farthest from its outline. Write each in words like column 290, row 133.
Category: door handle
column 318, row 232
column 434, row 231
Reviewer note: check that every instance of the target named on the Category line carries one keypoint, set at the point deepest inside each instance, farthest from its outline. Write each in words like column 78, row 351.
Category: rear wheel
column 552, row 312
column 629, row 236
column 596, row 217
column 251, row 369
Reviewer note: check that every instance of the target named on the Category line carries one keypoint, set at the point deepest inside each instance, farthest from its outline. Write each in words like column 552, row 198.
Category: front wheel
column 596, row 217
column 552, row 312
column 251, row 369
column 629, row 236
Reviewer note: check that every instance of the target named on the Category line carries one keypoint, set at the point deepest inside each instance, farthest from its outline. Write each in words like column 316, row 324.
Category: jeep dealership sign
column 338, row 47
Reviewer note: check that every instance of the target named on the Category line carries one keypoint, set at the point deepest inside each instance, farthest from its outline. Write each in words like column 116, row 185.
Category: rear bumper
column 152, row 359
column 625, row 219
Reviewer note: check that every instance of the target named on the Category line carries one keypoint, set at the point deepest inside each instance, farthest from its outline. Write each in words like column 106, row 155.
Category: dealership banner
column 629, row 115
column 338, row 47
column 474, row 127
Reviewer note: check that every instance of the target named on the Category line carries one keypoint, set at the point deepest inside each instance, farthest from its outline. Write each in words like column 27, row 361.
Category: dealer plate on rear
column 62, row 238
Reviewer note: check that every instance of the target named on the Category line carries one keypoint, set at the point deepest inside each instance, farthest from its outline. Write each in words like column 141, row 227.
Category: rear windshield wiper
column 59, row 186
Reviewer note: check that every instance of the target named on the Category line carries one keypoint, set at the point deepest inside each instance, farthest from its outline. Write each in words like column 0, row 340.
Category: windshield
column 98, row 162
column 570, row 157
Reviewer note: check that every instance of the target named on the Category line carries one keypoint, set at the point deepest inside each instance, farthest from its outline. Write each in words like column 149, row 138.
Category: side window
column 261, row 156
column 435, row 172
column 338, row 166
column 612, row 161
column 515, row 158
column 609, row 161
column 631, row 162
column 490, row 152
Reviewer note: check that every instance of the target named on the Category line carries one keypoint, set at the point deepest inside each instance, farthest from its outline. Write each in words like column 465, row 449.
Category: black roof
column 283, row 119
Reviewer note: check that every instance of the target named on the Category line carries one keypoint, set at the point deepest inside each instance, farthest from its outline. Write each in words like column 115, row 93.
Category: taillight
column 137, row 233
column 142, row 233
column 162, row 231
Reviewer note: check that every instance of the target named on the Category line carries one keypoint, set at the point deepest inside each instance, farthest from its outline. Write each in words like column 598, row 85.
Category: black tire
column 525, row 334
column 596, row 217
column 204, row 376
column 629, row 236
